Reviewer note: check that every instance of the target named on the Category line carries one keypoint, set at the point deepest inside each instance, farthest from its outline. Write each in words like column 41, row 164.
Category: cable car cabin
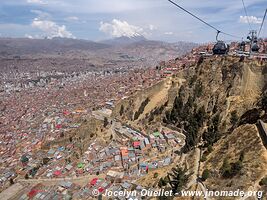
column 220, row 48
column 255, row 47
column 242, row 46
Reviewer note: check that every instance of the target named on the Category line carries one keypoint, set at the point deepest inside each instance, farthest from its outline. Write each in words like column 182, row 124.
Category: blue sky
column 102, row 19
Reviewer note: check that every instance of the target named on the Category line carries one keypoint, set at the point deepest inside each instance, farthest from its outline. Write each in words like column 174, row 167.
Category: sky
column 98, row 20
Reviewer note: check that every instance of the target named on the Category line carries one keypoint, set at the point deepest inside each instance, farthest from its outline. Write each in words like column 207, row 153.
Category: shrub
column 121, row 110
column 26, row 176
column 226, row 168
column 198, row 89
column 210, row 149
column 105, row 122
column 162, row 183
column 203, row 158
column 242, row 156
column 141, row 109
column 192, row 80
column 178, row 179
column 263, row 181
column 205, row 175
column 45, row 161
column 230, row 170
column 234, row 117
column 264, row 102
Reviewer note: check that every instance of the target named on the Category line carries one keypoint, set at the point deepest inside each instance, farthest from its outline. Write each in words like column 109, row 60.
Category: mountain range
column 24, row 46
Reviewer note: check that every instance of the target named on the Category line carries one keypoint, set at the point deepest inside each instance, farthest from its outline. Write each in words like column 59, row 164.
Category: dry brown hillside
column 217, row 102
column 245, row 138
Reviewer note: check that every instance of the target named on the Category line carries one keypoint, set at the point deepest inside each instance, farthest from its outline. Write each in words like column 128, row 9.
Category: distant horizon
column 114, row 38
column 1, row 37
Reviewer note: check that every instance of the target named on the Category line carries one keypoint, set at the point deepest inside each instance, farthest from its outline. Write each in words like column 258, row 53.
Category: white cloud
column 36, row 1
column 119, row 28
column 152, row 27
column 168, row 33
column 72, row 19
column 29, row 36
column 250, row 19
column 41, row 14
column 51, row 29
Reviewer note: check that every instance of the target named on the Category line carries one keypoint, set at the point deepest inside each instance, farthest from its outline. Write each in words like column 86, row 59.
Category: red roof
column 66, row 112
column 32, row 193
column 94, row 181
column 57, row 173
column 58, row 126
column 136, row 144
column 101, row 189
column 124, row 151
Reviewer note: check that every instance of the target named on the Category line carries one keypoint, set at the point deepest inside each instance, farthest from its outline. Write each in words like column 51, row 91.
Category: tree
column 105, row 122
column 121, row 110
column 11, row 181
column 178, row 179
column 100, row 197
column 210, row 149
column 242, row 156
column 45, row 161
column 212, row 135
column 234, row 117
column 226, row 169
column 198, row 89
column 201, row 116
column 178, row 103
column 203, row 158
column 263, row 181
column 141, row 109
column 162, row 183
column 26, row 176
column 164, row 197
column 205, row 175
column 192, row 80
column 24, row 159
column 200, row 61
column 230, row 170
column 264, row 102
column 236, row 167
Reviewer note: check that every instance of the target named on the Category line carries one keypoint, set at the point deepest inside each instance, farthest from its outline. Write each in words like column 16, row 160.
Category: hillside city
column 48, row 151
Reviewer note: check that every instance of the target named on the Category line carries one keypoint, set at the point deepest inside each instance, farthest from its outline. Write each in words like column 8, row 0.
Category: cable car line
column 246, row 12
column 211, row 26
column 262, row 22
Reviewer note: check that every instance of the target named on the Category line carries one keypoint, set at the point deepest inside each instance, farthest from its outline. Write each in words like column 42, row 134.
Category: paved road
column 82, row 179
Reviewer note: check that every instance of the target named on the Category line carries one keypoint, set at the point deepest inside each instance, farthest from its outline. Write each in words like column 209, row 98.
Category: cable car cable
column 262, row 22
column 245, row 9
column 193, row 15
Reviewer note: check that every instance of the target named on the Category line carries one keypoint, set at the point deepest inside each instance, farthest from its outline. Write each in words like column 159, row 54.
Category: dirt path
column 195, row 169
column 82, row 180
column 204, row 189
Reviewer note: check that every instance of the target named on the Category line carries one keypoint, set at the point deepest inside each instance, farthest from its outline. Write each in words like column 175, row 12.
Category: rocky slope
column 217, row 102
